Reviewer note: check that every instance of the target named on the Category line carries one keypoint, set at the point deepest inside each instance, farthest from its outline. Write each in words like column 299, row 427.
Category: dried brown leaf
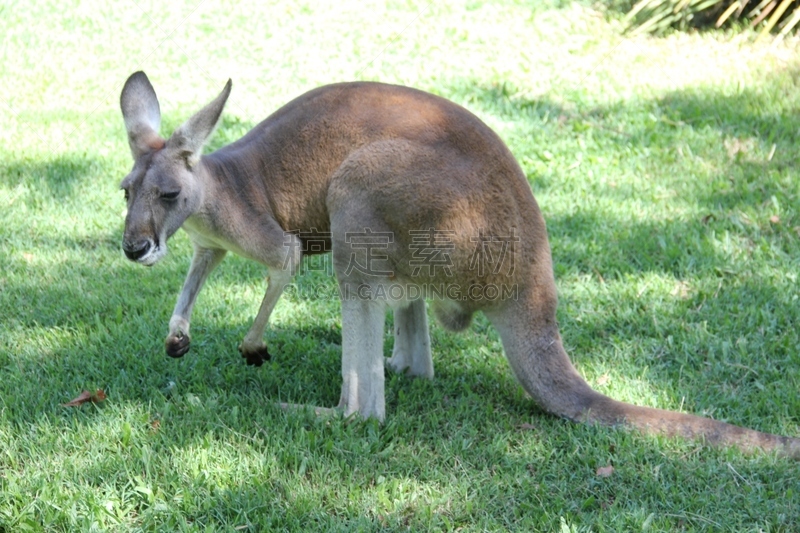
column 526, row 426
column 605, row 471
column 86, row 396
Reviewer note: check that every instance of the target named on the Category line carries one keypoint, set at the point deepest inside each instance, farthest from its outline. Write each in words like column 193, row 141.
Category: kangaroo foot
column 255, row 355
column 177, row 344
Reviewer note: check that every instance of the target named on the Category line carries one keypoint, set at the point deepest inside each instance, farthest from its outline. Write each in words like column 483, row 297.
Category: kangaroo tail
column 534, row 349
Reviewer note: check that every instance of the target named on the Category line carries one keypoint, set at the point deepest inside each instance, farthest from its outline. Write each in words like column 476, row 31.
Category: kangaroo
column 415, row 197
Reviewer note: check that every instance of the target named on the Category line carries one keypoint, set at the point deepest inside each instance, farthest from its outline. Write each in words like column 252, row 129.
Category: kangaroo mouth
column 155, row 255
column 147, row 252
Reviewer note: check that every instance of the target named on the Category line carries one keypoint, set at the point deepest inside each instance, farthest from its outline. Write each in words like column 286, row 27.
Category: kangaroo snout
column 137, row 250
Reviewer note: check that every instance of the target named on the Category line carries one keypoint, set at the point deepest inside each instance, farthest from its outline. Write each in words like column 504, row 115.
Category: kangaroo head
column 165, row 186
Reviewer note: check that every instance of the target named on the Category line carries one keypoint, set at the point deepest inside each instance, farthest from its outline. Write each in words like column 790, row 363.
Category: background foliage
column 656, row 16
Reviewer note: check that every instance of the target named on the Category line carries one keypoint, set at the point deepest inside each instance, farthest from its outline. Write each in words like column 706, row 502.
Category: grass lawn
column 667, row 169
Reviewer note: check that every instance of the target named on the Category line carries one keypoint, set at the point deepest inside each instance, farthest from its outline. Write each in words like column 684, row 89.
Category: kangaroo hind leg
column 412, row 342
column 362, row 358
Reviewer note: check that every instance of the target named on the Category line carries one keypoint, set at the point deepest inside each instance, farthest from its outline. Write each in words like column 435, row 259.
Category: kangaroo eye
column 170, row 196
column 127, row 195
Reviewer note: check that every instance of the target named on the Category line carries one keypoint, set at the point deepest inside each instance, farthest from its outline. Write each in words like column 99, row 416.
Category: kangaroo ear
column 141, row 113
column 192, row 135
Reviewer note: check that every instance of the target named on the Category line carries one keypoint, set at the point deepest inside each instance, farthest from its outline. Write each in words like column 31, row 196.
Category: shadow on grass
column 57, row 177
column 54, row 178
column 661, row 124
column 84, row 314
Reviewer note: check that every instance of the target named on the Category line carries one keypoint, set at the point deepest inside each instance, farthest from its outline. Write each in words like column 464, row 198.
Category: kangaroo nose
column 136, row 251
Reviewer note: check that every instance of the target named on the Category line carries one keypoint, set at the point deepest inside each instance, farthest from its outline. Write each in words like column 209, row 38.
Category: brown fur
column 345, row 158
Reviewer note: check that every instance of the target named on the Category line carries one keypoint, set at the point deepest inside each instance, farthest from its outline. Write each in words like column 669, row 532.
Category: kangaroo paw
column 255, row 355
column 177, row 344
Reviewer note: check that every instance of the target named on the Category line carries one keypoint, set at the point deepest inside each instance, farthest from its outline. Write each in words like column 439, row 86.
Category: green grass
column 660, row 170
